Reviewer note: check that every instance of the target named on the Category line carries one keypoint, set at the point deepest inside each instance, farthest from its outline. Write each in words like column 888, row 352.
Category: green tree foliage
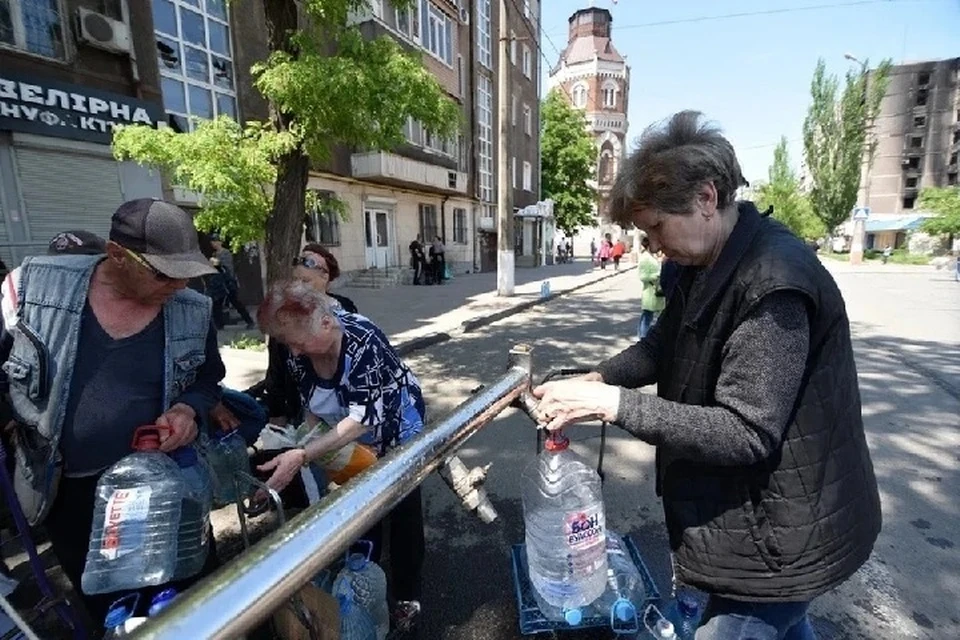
column 945, row 202
column 782, row 191
column 326, row 86
column 568, row 161
column 838, row 136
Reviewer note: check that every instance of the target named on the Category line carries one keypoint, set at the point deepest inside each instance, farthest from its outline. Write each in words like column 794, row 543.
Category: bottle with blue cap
column 194, row 531
column 120, row 620
column 684, row 613
column 626, row 591
column 366, row 583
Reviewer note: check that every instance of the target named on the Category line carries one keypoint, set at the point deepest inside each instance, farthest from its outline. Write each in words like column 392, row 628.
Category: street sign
column 861, row 213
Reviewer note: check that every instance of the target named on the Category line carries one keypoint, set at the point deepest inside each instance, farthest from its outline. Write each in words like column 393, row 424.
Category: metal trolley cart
column 531, row 619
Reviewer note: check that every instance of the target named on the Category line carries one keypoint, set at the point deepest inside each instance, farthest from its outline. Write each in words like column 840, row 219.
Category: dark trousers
column 69, row 525
column 417, row 266
column 220, row 309
column 407, row 546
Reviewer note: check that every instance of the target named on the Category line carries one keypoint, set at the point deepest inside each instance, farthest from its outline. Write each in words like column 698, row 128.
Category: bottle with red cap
column 565, row 530
column 136, row 519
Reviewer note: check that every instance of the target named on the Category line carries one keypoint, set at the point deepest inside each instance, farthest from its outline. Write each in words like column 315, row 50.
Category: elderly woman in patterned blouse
column 350, row 376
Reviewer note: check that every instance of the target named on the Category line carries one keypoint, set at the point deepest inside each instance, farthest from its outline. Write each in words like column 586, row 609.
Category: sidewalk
column 417, row 317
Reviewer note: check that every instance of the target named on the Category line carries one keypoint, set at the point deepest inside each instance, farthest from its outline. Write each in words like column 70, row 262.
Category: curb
column 468, row 326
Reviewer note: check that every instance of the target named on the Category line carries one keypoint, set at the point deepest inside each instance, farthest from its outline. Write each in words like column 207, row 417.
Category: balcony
column 393, row 169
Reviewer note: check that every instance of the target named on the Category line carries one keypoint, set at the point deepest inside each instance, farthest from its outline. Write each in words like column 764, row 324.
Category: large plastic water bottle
column 194, row 531
column 136, row 520
column 367, row 583
column 626, row 592
column 355, row 623
column 684, row 613
column 227, row 454
column 565, row 528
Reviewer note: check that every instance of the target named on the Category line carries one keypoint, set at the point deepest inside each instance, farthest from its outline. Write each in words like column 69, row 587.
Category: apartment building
column 918, row 140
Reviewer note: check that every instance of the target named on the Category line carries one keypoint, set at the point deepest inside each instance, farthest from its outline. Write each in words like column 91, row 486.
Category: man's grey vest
column 50, row 299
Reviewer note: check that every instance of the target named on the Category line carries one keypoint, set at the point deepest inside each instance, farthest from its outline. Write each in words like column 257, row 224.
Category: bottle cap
column 356, row 561
column 624, row 611
column 688, row 605
column 556, row 441
column 146, row 439
column 573, row 616
column 161, row 601
column 665, row 629
column 121, row 610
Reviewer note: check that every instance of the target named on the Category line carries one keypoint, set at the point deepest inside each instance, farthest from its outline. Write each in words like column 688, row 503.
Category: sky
column 751, row 73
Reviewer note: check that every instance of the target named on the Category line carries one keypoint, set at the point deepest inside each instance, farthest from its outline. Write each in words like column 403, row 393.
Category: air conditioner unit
column 464, row 15
column 97, row 30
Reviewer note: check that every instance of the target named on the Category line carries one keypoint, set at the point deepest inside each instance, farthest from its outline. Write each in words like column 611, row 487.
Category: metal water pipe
column 250, row 588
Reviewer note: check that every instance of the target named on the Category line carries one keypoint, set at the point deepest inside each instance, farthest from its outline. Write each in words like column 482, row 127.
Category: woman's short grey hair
column 674, row 158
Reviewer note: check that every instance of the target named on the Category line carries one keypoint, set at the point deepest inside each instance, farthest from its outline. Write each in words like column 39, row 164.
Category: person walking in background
column 604, row 253
column 417, row 260
column 223, row 261
column 593, row 251
column 617, row 253
column 438, row 261
column 652, row 298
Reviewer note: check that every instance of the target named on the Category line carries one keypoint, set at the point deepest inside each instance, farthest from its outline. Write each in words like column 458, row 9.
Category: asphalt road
column 908, row 351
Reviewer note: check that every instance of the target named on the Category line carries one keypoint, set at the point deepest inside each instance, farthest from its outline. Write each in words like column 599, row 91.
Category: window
column 921, row 98
column 196, row 60
column 610, row 95
column 428, row 222
column 513, row 110
column 953, row 158
column 513, row 172
column 413, row 132
column 408, row 23
column 527, row 120
column 527, row 62
column 908, row 201
column 484, row 46
column 437, row 33
column 916, row 142
column 580, row 95
column 526, row 9
column 513, row 48
column 35, row 26
column 911, row 183
column 459, row 225
column 461, row 76
column 923, row 78
column 323, row 223
column 913, row 163
column 951, row 179
column 527, row 176
column 920, row 121
column 485, row 137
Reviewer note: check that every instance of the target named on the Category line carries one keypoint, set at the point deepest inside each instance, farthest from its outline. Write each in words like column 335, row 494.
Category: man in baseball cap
column 126, row 345
column 163, row 235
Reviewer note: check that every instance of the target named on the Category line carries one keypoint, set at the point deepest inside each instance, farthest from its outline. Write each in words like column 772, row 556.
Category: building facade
column 918, row 137
column 594, row 77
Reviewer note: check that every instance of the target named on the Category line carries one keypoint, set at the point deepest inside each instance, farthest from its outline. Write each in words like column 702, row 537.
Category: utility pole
column 859, row 223
column 505, row 255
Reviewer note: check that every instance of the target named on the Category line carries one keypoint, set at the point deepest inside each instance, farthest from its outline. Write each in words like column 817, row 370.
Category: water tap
column 468, row 485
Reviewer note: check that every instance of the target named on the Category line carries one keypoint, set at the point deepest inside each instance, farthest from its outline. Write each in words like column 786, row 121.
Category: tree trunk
column 285, row 226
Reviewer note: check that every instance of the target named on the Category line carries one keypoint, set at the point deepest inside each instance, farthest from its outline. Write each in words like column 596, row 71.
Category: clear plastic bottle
column 194, row 531
column 626, row 593
column 136, row 520
column 367, row 583
column 355, row 623
column 565, row 528
column 227, row 454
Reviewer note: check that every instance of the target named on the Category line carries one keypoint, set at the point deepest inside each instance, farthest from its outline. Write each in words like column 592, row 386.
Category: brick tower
column 596, row 78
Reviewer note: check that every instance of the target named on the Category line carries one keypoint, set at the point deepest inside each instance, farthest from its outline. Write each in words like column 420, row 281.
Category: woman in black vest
column 768, row 489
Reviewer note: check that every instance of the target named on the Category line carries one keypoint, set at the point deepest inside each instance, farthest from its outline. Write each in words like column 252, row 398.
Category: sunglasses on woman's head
column 310, row 263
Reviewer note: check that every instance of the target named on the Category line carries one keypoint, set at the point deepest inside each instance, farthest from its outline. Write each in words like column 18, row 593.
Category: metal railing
column 250, row 588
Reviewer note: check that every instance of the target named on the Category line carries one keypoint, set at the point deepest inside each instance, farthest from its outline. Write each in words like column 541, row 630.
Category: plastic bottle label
column 125, row 506
column 583, row 529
